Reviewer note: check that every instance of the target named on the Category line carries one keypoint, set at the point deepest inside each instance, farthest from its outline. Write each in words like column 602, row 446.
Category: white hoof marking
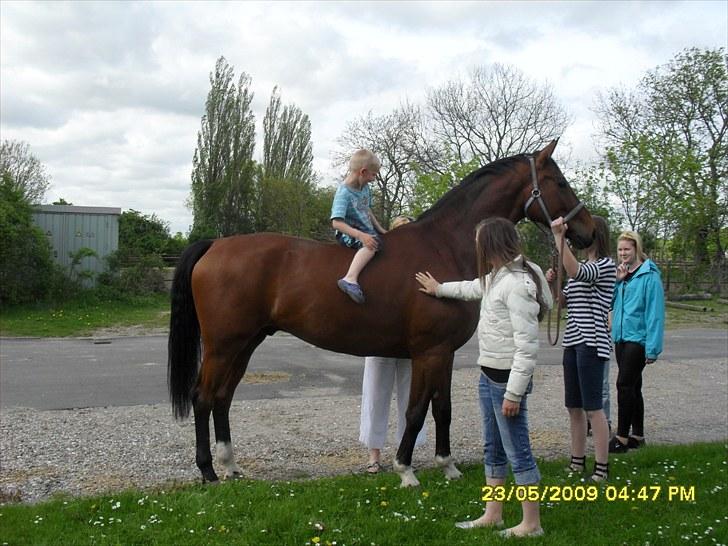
column 226, row 458
column 406, row 474
column 448, row 467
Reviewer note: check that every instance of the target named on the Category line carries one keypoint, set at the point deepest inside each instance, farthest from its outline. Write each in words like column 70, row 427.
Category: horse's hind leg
column 221, row 410
column 202, row 409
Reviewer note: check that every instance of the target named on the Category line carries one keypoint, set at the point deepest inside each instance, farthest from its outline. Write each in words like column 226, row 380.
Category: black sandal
column 601, row 472
column 577, row 464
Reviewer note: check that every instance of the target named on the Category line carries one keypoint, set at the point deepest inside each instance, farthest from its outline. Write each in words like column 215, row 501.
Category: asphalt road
column 67, row 373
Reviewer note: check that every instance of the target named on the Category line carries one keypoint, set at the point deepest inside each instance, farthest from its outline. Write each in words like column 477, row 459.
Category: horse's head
column 550, row 196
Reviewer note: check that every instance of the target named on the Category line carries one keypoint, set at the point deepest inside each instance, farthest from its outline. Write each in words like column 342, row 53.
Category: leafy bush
column 27, row 270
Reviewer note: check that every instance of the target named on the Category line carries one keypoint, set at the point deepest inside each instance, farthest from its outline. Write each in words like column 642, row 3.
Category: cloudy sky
column 110, row 95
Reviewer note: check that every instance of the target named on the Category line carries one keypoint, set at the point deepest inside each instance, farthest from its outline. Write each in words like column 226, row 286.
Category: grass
column 83, row 315
column 368, row 510
column 715, row 317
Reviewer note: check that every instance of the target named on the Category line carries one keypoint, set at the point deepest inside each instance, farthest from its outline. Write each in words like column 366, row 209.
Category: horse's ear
column 544, row 154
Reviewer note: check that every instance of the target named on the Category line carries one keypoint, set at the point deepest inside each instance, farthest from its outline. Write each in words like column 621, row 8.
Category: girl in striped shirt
column 587, row 343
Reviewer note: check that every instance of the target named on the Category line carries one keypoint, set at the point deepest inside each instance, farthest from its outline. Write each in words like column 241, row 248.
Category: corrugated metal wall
column 69, row 228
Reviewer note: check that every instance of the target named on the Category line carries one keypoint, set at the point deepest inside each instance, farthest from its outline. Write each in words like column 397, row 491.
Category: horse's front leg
column 430, row 381
column 442, row 413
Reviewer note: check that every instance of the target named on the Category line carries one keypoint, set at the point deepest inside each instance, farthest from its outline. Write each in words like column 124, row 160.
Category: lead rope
column 557, row 264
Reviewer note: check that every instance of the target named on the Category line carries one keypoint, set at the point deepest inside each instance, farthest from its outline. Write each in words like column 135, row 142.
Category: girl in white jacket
column 514, row 296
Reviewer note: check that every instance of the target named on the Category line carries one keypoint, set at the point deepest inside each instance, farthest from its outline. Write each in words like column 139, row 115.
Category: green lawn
column 81, row 317
column 657, row 495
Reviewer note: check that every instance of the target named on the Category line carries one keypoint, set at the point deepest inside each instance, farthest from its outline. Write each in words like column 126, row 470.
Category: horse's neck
column 455, row 225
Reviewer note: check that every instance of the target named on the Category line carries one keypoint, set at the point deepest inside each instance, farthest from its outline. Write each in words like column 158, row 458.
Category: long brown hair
column 497, row 241
column 601, row 236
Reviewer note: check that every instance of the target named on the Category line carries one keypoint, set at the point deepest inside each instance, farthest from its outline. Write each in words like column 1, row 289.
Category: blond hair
column 636, row 240
column 364, row 159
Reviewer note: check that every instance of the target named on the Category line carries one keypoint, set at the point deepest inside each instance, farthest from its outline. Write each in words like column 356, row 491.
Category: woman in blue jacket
column 638, row 322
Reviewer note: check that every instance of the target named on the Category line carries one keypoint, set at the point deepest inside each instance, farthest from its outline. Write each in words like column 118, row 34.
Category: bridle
column 557, row 257
column 536, row 196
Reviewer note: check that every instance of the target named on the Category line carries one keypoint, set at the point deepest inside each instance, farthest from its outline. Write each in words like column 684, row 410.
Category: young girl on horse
column 514, row 296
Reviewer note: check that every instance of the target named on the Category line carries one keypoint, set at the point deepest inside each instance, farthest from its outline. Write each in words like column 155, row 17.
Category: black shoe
column 601, row 472
column 634, row 443
column 615, row 446
column 577, row 464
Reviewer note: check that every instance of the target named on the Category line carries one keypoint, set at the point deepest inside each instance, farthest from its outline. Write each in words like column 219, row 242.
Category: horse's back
column 270, row 282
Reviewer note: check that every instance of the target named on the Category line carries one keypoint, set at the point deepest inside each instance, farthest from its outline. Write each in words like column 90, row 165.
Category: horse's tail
column 184, row 332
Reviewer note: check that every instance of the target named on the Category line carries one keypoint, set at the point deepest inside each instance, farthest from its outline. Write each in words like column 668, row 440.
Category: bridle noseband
column 536, row 196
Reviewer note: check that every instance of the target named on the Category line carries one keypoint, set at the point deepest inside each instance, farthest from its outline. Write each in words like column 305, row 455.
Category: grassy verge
column 715, row 317
column 81, row 316
column 657, row 495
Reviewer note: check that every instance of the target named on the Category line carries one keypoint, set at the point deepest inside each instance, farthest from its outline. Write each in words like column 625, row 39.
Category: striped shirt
column 588, row 299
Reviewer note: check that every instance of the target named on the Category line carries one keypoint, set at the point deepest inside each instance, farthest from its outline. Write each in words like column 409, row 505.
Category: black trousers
column 630, row 404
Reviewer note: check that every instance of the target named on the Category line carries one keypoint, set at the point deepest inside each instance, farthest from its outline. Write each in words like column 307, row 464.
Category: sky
column 110, row 95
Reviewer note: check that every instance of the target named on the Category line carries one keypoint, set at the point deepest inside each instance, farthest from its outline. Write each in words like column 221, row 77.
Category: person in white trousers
column 380, row 376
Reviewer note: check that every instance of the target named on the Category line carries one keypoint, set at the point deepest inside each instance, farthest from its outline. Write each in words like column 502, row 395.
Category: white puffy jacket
column 508, row 325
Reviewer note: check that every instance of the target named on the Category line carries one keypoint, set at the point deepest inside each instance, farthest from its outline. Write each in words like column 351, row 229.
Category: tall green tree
column 223, row 169
column 26, row 173
column 287, row 146
column 667, row 149
column 286, row 181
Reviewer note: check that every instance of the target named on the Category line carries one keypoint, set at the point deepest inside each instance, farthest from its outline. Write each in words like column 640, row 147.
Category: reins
column 557, row 264
column 557, row 256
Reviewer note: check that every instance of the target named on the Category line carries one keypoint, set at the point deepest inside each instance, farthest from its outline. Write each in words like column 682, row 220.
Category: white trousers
column 380, row 376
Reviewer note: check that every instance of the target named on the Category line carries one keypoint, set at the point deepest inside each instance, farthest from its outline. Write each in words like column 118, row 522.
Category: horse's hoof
column 448, row 467
column 235, row 475
column 409, row 480
column 406, row 474
column 209, row 476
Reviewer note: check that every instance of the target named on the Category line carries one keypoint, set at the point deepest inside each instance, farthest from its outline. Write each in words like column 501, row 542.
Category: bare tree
column 26, row 172
column 498, row 113
column 393, row 138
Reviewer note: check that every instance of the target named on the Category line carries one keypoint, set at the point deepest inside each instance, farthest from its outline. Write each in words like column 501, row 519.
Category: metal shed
column 70, row 228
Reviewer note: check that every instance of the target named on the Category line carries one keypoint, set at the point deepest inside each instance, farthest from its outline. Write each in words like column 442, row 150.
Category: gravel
column 102, row 450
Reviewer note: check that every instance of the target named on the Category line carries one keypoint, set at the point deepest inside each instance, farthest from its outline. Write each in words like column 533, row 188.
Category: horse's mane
column 483, row 174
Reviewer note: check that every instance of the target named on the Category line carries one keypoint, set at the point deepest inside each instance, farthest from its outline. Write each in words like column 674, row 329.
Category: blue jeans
column 505, row 439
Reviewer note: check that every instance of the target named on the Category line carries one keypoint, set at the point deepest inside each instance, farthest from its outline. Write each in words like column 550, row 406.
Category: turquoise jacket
column 638, row 309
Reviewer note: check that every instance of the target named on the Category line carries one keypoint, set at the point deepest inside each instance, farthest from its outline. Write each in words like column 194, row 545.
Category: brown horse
column 234, row 292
